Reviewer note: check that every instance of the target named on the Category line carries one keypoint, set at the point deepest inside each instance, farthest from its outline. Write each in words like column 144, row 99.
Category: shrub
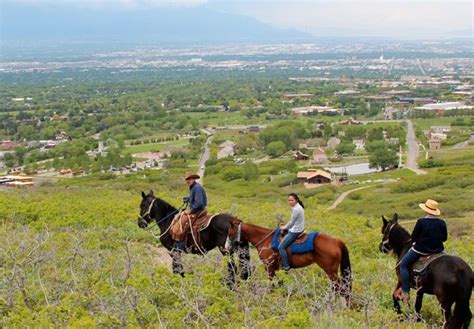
column 416, row 184
column 232, row 174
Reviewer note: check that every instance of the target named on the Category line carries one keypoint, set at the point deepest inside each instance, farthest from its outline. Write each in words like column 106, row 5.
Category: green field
column 75, row 250
column 132, row 149
column 425, row 124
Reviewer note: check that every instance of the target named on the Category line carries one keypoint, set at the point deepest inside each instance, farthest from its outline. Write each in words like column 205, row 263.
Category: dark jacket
column 429, row 234
column 197, row 198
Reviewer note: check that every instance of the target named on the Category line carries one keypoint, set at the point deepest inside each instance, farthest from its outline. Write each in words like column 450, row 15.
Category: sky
column 396, row 18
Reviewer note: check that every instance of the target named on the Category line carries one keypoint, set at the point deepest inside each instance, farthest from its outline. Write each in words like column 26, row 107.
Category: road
column 463, row 144
column 343, row 195
column 420, row 66
column 204, row 157
column 413, row 150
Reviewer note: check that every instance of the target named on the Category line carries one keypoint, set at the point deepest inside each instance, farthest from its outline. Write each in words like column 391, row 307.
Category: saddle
column 302, row 244
column 420, row 266
column 187, row 227
column 300, row 239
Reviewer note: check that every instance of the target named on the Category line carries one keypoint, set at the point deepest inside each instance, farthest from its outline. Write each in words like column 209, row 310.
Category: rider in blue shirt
column 197, row 206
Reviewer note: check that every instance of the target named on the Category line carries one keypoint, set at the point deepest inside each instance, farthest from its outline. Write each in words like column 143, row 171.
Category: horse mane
column 260, row 229
column 164, row 204
column 161, row 204
column 400, row 237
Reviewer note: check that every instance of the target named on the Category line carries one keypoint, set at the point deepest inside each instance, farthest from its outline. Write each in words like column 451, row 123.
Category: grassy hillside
column 72, row 254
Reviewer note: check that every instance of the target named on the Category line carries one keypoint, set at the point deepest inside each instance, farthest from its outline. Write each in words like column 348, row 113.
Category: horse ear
column 395, row 217
column 385, row 222
column 143, row 195
column 151, row 193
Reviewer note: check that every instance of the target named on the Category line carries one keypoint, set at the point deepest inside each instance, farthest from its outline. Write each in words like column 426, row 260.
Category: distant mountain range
column 20, row 23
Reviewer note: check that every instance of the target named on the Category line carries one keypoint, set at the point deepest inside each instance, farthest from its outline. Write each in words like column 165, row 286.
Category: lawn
column 132, row 149
column 425, row 124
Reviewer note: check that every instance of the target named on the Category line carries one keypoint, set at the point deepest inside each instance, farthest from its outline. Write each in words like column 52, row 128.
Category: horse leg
column 396, row 302
column 446, row 309
column 231, row 269
column 244, row 261
column 177, row 264
column 418, row 303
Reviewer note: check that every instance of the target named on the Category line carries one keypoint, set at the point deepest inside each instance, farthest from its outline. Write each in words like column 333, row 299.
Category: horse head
column 387, row 226
column 146, row 206
column 234, row 232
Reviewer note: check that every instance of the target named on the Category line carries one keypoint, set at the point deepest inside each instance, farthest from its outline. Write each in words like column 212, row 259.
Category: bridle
column 386, row 243
column 147, row 213
column 239, row 236
column 143, row 218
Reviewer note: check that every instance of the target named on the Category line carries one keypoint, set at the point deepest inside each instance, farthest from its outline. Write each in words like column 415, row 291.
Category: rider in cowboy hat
column 197, row 204
column 428, row 236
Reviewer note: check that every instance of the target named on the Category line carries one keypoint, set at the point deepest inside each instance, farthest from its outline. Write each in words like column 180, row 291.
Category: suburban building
column 319, row 156
column 227, row 149
column 300, row 95
column 359, row 143
column 314, row 176
column 440, row 129
column 309, row 110
column 348, row 92
column 8, row 144
column 441, row 108
column 299, row 156
column 435, row 144
column 416, row 100
column 333, row 142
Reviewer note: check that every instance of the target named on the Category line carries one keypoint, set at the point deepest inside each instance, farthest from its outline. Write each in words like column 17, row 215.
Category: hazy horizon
column 240, row 21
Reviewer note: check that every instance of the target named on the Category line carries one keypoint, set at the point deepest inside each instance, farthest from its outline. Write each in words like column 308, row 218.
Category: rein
column 264, row 238
column 387, row 246
column 239, row 235
column 158, row 222
column 386, row 241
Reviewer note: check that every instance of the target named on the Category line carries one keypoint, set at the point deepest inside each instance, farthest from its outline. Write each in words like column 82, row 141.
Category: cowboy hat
column 431, row 207
column 190, row 175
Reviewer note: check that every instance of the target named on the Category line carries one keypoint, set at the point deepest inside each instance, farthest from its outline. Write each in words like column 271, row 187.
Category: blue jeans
column 285, row 243
column 410, row 257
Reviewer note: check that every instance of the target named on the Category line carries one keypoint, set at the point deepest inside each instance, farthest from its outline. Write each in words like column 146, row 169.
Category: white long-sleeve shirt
column 296, row 223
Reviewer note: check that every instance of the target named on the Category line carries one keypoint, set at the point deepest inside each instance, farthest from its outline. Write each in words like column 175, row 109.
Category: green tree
column 382, row 154
column 275, row 149
column 345, row 148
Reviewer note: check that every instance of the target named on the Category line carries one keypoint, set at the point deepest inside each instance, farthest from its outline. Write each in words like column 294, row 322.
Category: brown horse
column 329, row 253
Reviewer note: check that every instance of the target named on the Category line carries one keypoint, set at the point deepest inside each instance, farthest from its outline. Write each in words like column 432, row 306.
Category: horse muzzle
column 142, row 223
column 383, row 248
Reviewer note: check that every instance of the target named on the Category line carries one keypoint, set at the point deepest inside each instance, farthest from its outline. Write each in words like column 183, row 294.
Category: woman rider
column 295, row 227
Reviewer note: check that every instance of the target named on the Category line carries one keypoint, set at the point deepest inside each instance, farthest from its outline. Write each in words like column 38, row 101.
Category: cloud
column 361, row 18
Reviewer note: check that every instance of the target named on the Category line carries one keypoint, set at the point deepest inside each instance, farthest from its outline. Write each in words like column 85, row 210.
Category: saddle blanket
column 422, row 263
column 296, row 247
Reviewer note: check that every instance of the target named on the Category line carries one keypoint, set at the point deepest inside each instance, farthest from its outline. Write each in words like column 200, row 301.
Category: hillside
column 74, row 256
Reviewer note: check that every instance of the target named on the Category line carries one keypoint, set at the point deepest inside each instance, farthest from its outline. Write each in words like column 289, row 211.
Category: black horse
column 215, row 235
column 449, row 278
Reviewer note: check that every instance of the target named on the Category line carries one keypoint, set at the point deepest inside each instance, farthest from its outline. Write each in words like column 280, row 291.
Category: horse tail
column 462, row 314
column 346, row 272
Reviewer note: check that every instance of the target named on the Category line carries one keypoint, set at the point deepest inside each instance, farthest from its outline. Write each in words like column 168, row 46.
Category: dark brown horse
column 155, row 209
column 449, row 278
column 329, row 253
